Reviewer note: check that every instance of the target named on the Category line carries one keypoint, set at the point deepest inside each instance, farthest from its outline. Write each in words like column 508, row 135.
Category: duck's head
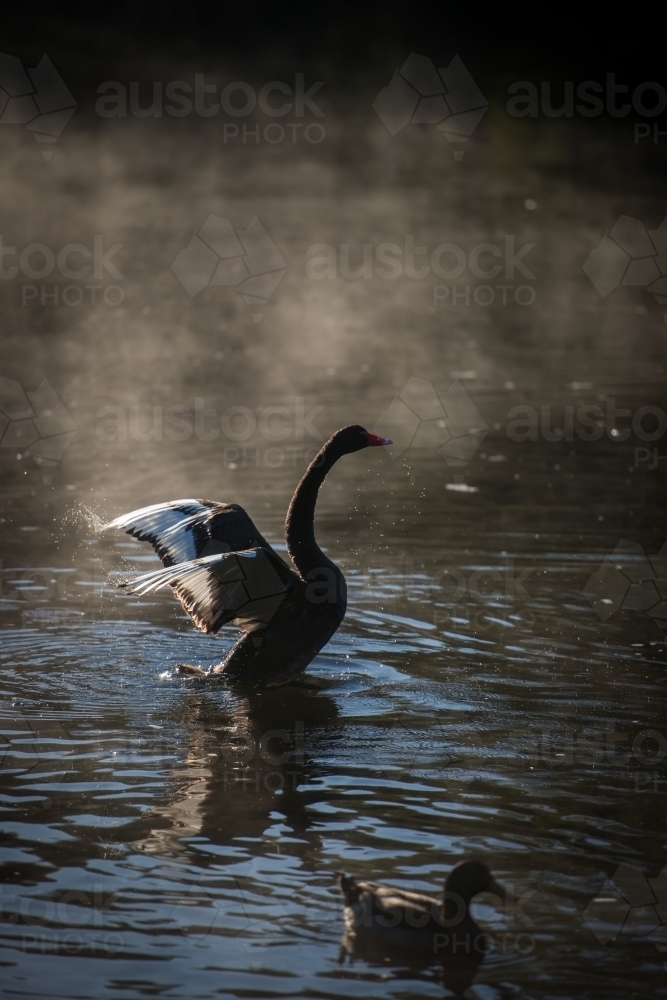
column 467, row 879
column 354, row 438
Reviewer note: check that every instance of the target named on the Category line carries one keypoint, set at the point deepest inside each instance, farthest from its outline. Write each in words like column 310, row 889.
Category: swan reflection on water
column 247, row 759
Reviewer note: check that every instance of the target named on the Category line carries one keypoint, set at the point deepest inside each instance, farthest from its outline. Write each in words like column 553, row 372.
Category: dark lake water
column 164, row 836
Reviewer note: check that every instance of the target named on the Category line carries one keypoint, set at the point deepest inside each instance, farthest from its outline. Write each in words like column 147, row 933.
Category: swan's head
column 354, row 438
column 468, row 878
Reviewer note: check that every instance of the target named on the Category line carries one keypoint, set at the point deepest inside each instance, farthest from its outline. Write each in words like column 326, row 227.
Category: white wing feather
column 169, row 527
column 243, row 588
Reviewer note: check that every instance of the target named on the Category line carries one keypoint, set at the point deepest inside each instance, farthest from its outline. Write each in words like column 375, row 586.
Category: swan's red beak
column 374, row 440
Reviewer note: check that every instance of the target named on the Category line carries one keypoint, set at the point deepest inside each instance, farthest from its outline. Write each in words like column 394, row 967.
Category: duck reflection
column 249, row 765
column 414, row 931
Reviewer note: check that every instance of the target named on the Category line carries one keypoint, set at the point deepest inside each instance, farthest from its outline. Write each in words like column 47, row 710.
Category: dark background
column 346, row 40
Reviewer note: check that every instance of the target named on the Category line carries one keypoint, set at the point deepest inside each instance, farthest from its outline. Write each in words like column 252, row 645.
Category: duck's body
column 404, row 919
column 224, row 572
column 395, row 919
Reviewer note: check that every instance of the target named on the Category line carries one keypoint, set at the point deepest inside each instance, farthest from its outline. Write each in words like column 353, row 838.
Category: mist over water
column 163, row 835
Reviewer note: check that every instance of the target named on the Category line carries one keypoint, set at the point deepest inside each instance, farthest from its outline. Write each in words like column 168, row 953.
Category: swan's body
column 224, row 572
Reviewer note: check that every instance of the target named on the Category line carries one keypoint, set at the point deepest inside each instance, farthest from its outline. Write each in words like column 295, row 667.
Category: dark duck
column 383, row 923
column 225, row 573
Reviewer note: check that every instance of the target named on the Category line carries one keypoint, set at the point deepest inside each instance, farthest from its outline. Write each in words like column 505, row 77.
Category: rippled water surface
column 166, row 836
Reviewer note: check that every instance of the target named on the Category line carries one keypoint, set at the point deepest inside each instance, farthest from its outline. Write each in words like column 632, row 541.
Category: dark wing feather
column 241, row 588
column 183, row 530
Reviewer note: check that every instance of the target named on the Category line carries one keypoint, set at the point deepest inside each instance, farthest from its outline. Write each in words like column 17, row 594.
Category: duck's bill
column 375, row 441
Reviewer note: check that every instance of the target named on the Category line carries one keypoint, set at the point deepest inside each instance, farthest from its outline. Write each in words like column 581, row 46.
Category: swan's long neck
column 299, row 523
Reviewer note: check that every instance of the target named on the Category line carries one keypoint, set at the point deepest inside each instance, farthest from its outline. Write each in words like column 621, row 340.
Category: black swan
column 415, row 921
column 224, row 572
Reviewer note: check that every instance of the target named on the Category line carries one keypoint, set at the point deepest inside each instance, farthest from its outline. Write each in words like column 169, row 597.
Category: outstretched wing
column 241, row 588
column 182, row 530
